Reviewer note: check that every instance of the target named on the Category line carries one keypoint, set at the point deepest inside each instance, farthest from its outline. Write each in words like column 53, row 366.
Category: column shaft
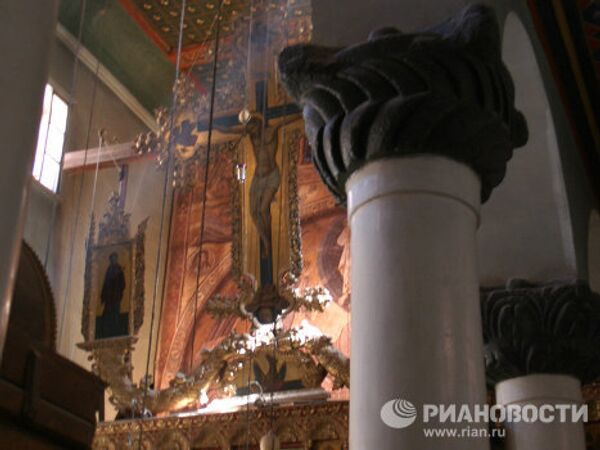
column 416, row 325
column 26, row 32
column 539, row 390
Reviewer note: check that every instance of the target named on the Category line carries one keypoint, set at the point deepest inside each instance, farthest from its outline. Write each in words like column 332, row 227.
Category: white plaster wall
column 105, row 108
column 38, row 220
column 525, row 226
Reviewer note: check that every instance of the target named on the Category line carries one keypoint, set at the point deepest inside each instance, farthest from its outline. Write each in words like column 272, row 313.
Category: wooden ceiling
column 160, row 20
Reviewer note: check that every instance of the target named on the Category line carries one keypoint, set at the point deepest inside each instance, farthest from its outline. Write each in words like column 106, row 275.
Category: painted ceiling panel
column 118, row 42
column 137, row 39
column 160, row 19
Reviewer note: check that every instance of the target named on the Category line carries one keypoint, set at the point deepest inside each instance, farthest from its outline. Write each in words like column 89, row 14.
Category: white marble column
column 413, row 154
column 26, row 33
column 539, row 390
column 416, row 325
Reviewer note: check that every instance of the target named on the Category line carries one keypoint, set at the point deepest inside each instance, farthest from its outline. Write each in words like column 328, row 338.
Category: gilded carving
column 140, row 268
column 104, row 443
column 114, row 226
column 302, row 426
column 174, row 440
column 209, row 437
column 298, row 427
column 177, row 136
column 292, row 143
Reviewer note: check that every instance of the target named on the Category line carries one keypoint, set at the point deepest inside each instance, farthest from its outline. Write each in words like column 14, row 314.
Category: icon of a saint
column 112, row 323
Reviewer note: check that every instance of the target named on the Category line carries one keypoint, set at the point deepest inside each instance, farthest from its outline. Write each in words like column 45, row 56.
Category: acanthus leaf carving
column 442, row 91
column 547, row 328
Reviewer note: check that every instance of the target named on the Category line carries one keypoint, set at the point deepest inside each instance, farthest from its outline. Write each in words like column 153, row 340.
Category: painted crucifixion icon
column 263, row 147
column 267, row 174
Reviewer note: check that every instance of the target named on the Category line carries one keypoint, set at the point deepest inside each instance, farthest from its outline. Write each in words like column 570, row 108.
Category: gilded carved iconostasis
column 256, row 297
column 248, row 207
column 201, row 242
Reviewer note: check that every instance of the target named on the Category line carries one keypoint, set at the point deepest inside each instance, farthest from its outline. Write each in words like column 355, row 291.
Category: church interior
column 300, row 224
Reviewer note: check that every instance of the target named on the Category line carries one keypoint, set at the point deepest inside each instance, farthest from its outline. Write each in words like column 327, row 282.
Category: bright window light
column 51, row 137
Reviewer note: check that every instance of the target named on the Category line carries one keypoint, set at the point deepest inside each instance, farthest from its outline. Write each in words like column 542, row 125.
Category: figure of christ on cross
column 267, row 304
column 265, row 182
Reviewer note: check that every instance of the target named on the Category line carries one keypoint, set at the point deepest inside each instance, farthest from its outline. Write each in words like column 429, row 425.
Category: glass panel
column 39, row 152
column 59, row 113
column 50, row 174
column 47, row 100
column 54, row 145
column 43, row 133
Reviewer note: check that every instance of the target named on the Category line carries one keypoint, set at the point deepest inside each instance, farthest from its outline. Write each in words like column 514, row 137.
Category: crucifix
column 266, row 180
column 262, row 129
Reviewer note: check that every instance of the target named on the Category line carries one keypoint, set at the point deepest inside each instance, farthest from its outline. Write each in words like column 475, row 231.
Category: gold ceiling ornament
column 161, row 22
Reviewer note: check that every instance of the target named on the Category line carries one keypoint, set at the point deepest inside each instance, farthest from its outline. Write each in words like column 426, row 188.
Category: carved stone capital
column 552, row 328
column 442, row 91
